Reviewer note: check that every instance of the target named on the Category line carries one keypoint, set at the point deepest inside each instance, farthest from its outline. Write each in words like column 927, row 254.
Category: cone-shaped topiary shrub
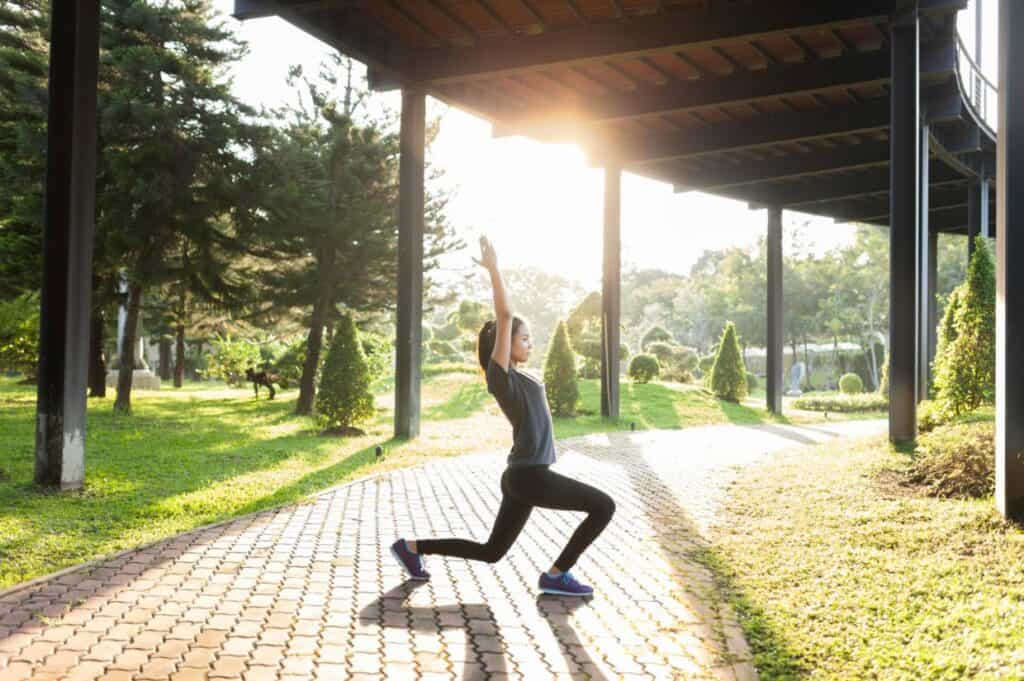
column 851, row 384
column 965, row 369
column 344, row 398
column 643, row 368
column 883, row 382
column 729, row 375
column 560, row 374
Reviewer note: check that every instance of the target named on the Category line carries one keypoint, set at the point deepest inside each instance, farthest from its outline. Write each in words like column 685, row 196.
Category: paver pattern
column 309, row 591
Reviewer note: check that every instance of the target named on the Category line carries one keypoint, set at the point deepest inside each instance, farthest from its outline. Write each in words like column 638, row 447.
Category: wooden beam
column 663, row 32
column 770, row 129
column 771, row 83
column 787, row 168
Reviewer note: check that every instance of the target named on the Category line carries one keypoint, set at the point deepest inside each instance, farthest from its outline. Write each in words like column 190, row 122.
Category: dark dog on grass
column 259, row 378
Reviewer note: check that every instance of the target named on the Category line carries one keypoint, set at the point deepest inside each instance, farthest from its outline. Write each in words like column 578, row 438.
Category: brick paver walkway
column 309, row 591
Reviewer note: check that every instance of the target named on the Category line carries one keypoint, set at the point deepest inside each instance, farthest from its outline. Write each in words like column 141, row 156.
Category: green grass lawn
column 838, row 572
column 206, row 452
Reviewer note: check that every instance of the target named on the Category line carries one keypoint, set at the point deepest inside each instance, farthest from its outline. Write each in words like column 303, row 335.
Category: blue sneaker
column 564, row 585
column 410, row 562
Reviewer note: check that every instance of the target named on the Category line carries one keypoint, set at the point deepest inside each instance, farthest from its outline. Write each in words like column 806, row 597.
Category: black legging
column 522, row 488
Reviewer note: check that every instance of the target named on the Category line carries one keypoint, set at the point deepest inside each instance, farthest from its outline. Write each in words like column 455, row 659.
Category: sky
column 540, row 203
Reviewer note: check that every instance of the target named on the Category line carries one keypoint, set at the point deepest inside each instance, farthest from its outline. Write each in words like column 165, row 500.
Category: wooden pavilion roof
column 773, row 102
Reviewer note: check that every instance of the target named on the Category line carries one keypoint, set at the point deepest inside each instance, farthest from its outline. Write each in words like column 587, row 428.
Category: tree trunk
column 307, row 387
column 97, row 366
column 123, row 403
column 314, row 342
column 165, row 358
column 179, row 355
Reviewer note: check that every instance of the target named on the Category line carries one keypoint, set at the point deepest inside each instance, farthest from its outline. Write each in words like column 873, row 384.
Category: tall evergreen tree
column 174, row 145
column 560, row 373
column 24, row 31
column 331, row 230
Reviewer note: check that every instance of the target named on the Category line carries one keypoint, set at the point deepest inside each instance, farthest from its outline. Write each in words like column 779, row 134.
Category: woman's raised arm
column 502, row 310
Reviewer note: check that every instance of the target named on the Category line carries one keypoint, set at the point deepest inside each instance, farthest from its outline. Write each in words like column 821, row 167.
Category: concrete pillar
column 904, row 183
column 409, row 332
column 1010, row 263
column 774, row 381
column 610, row 293
column 977, row 214
column 68, row 227
column 924, row 308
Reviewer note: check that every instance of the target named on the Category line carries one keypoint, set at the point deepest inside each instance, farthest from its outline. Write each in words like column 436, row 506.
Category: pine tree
column 174, row 147
column 560, row 374
column 344, row 398
column 965, row 369
column 729, row 375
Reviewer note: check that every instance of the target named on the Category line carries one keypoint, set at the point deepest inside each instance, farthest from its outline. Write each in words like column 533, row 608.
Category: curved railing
column 981, row 95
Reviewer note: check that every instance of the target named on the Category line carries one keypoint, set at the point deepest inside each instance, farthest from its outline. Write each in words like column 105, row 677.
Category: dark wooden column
column 904, row 181
column 933, row 304
column 68, row 227
column 1010, row 263
column 924, row 308
column 409, row 330
column 610, row 293
column 977, row 214
column 774, row 383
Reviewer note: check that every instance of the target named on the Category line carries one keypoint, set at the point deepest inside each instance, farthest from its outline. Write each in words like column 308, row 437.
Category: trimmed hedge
column 729, row 375
column 842, row 403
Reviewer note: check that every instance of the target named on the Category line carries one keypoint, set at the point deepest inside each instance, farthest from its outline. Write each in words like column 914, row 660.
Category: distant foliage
column 965, row 369
column 729, row 375
column 643, row 368
column 677, row 362
column 443, row 351
column 705, row 363
column 751, row 381
column 379, row 353
column 956, row 461
column 560, row 374
column 287, row 365
column 656, row 334
column 231, row 357
column 19, row 334
column 851, row 384
column 344, row 398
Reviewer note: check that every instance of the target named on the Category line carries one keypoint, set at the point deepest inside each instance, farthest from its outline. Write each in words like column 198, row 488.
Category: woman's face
column 521, row 345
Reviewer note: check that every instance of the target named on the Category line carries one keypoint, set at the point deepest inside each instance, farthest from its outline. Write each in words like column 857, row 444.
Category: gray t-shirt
column 523, row 400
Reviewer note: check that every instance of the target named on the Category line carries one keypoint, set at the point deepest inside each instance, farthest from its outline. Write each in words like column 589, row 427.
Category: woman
column 528, row 481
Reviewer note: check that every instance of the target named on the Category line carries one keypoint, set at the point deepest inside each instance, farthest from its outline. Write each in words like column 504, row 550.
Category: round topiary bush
column 560, row 374
column 661, row 350
column 344, row 398
column 643, row 368
column 656, row 334
column 851, row 384
column 956, row 461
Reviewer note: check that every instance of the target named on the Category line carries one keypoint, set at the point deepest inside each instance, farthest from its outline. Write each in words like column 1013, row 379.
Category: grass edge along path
column 837, row 571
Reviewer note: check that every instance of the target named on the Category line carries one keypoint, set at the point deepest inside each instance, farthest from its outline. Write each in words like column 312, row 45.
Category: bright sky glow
column 540, row 203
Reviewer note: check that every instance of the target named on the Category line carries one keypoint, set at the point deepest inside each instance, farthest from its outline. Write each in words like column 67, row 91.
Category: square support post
column 933, row 303
column 68, row 227
column 904, row 184
column 773, row 384
column 610, row 293
column 1010, row 263
column 409, row 331
column 924, row 308
column 977, row 214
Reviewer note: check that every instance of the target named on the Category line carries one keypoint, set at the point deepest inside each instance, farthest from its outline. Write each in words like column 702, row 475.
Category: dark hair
column 485, row 341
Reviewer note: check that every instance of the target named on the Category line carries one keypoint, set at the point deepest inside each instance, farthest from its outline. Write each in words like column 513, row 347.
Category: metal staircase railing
column 981, row 95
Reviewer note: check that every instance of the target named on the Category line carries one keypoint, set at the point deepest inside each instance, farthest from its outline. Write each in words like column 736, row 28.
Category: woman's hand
column 488, row 257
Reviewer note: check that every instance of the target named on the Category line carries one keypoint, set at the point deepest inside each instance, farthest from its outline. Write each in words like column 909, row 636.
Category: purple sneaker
column 563, row 585
column 410, row 562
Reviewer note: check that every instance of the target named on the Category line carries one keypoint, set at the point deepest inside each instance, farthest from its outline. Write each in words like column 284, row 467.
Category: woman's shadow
column 556, row 611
